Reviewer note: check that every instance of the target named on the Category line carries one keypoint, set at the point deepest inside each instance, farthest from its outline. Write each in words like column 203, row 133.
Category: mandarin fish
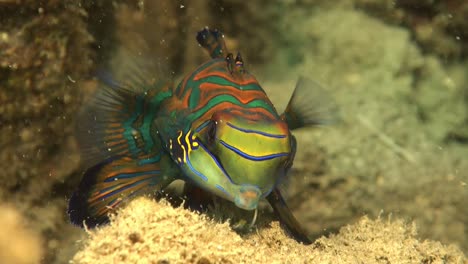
column 216, row 129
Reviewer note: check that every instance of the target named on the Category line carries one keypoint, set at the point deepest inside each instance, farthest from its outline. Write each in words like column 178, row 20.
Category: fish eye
column 212, row 132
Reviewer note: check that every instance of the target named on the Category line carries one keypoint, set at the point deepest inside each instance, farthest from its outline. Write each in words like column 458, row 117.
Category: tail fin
column 309, row 105
column 213, row 42
column 109, row 183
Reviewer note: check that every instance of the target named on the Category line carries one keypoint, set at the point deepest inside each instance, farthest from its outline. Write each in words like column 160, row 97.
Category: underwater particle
column 71, row 79
column 135, row 238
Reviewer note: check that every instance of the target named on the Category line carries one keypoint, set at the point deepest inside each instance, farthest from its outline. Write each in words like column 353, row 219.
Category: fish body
column 216, row 129
column 231, row 140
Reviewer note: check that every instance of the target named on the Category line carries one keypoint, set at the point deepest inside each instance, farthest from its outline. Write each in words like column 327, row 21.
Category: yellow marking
column 178, row 138
column 193, row 143
column 182, row 146
column 170, row 143
column 179, row 159
column 189, row 145
column 185, row 152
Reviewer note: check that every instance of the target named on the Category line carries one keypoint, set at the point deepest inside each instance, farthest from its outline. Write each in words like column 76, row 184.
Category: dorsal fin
column 213, row 42
column 117, row 120
column 119, row 142
column 235, row 66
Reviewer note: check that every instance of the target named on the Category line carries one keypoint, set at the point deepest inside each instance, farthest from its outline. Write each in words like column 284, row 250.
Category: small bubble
column 109, row 149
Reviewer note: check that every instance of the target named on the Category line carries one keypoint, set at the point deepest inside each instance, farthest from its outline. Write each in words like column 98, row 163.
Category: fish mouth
column 248, row 197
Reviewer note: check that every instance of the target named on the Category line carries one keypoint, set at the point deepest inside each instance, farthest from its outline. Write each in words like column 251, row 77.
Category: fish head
column 251, row 155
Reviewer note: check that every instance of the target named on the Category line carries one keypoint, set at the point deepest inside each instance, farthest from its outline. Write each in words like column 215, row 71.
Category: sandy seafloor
column 384, row 185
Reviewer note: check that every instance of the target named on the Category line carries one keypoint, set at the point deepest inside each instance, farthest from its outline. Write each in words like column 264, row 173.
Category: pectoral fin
column 309, row 105
column 287, row 218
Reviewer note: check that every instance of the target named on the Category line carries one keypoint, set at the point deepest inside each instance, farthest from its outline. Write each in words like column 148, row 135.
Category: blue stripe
column 202, row 126
column 199, row 174
column 123, row 188
column 154, row 159
column 152, row 183
column 250, row 157
column 256, row 132
column 131, row 175
column 223, row 190
column 216, row 161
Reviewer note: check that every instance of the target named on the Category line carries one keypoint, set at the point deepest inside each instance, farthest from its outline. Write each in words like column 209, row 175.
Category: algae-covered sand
column 150, row 232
